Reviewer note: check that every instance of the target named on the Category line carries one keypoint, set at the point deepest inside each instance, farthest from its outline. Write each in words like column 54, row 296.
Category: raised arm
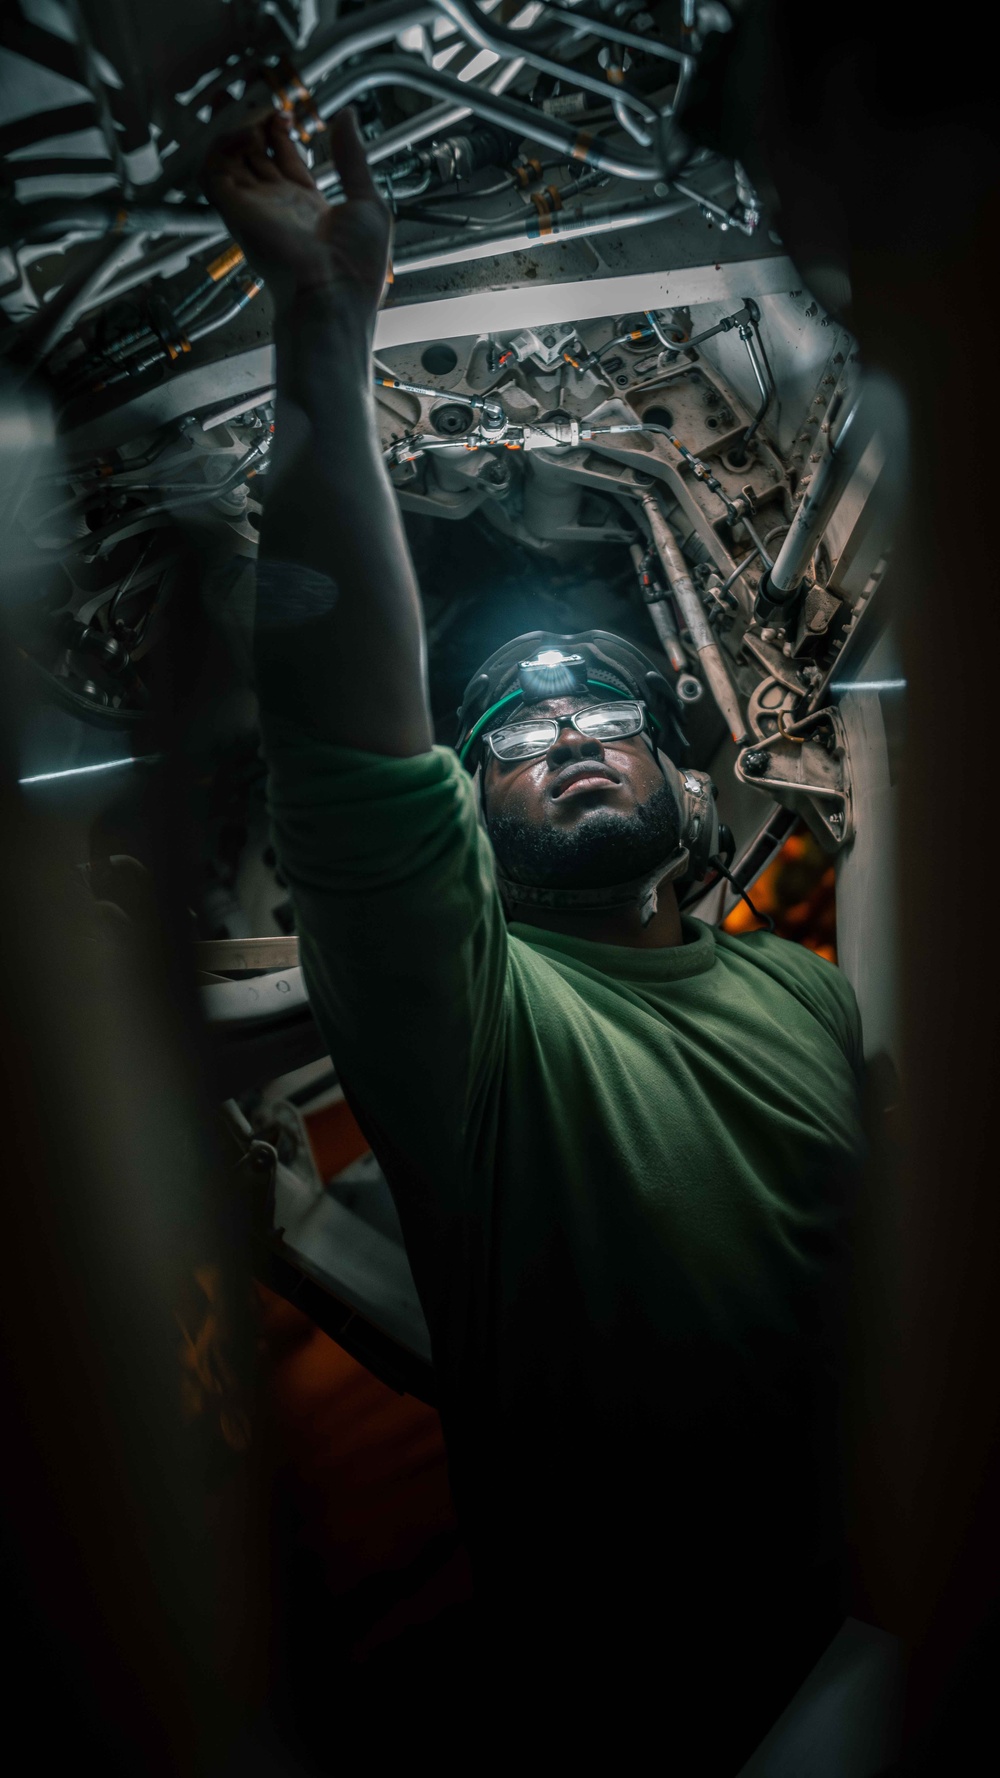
column 348, row 663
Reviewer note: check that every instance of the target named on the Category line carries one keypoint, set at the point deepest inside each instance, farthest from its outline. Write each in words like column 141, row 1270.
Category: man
column 621, row 1143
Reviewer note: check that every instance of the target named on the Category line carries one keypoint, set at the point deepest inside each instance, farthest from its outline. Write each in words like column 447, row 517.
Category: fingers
column 348, row 153
column 287, row 158
column 259, row 162
column 227, row 156
column 262, row 154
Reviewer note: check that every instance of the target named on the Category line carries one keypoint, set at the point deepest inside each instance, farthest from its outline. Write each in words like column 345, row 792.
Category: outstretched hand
column 292, row 237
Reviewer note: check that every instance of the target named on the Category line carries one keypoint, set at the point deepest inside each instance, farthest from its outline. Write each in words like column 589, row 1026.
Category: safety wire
column 758, row 913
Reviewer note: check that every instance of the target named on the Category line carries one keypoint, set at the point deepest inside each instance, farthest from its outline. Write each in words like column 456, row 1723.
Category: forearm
column 355, row 673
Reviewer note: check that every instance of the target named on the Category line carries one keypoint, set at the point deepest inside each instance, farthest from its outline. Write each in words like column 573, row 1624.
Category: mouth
column 578, row 779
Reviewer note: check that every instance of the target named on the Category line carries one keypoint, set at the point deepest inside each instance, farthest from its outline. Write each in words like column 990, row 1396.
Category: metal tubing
column 631, row 123
column 347, row 38
column 666, row 630
column 521, row 232
column 78, row 294
column 502, row 41
column 725, row 218
column 507, row 114
column 585, row 24
column 821, row 497
column 710, row 655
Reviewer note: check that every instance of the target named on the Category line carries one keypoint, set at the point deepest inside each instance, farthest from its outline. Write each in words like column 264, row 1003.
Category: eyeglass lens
column 602, row 722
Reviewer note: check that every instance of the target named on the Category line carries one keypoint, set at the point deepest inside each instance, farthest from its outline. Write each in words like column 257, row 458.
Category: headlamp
column 552, row 674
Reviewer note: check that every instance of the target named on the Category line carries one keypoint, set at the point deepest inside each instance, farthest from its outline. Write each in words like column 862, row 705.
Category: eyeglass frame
column 570, row 719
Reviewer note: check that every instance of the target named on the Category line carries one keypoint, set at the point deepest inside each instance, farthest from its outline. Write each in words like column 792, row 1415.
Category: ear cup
column 695, row 795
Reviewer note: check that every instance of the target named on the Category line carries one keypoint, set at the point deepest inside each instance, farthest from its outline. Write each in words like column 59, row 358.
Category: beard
column 603, row 848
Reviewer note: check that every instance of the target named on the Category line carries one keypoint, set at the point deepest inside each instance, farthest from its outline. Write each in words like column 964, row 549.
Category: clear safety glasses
column 599, row 722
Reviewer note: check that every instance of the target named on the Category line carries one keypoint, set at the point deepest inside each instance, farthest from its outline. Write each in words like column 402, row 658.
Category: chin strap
column 641, row 890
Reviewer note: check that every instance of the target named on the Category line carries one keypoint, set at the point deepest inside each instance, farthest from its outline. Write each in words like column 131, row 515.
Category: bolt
column 641, row 480
column 622, row 382
column 756, row 762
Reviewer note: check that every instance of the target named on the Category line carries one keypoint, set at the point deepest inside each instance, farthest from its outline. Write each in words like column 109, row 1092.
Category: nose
column 569, row 744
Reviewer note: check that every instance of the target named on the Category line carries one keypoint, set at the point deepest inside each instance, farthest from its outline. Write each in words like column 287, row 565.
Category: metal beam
column 464, row 315
column 534, row 304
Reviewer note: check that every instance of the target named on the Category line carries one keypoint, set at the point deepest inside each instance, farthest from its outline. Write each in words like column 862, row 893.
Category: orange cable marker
column 231, row 257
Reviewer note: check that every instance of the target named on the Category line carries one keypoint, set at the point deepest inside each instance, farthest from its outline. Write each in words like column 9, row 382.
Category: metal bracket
column 806, row 768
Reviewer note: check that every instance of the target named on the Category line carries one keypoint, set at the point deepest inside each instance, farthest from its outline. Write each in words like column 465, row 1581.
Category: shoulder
column 817, row 984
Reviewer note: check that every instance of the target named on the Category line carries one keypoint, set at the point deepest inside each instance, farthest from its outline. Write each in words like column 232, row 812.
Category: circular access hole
column 451, row 420
column 658, row 416
column 737, row 458
column 439, row 359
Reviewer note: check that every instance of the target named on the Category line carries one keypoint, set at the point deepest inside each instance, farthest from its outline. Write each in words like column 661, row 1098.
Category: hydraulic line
column 475, row 401
column 695, row 464
column 135, row 367
column 65, row 309
column 750, row 335
column 183, row 493
column 507, row 114
column 217, row 275
column 782, row 582
column 589, row 24
column 630, row 123
column 539, row 229
column 710, row 654
column 347, row 38
column 659, row 610
column 714, row 212
column 502, row 41
column 427, row 123
column 48, row 218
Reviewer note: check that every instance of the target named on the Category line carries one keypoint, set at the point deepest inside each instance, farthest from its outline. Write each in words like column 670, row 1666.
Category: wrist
column 339, row 310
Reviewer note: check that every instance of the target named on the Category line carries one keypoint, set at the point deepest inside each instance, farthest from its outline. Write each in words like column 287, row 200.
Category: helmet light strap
column 477, row 729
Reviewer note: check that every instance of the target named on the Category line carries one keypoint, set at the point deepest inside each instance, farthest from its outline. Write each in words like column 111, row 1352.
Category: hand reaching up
column 291, row 236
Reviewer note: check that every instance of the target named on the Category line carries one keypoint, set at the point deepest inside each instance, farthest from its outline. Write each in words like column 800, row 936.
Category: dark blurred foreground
column 140, row 1541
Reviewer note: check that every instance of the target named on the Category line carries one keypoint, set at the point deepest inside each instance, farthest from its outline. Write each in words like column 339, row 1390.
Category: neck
column 614, row 926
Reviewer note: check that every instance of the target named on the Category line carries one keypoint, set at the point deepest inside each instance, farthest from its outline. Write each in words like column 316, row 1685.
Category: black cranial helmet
column 541, row 665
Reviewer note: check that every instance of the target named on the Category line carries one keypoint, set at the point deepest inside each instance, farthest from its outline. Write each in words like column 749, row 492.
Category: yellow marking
column 232, row 256
column 581, row 147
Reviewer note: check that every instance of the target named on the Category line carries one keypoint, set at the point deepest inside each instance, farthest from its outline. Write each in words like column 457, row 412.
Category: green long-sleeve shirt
column 623, row 1177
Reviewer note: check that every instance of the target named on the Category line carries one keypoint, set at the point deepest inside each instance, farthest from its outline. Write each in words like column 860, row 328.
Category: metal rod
column 710, row 655
column 815, row 508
